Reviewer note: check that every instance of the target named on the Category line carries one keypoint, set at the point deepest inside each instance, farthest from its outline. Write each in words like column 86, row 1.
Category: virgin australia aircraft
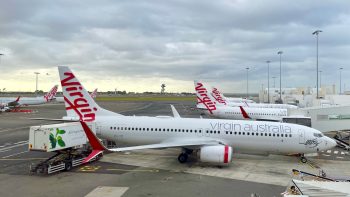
column 61, row 99
column 218, row 108
column 213, row 140
column 220, row 98
column 25, row 101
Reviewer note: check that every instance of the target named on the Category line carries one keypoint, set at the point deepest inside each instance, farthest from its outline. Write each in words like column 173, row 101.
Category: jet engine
column 216, row 154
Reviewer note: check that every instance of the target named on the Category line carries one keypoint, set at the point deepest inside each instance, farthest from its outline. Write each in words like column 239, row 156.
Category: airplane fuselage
column 267, row 137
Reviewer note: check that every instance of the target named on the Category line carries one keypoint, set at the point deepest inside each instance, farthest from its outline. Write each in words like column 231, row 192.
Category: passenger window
column 270, row 134
column 211, row 131
column 243, row 133
column 191, row 130
column 235, row 132
column 278, row 135
column 290, row 135
column 171, row 130
column 129, row 129
column 273, row 135
column 195, row 131
column 239, row 133
column 218, row 132
column 247, row 133
column 226, row 132
column 231, row 132
column 282, row 135
column 147, row 129
column 155, row 129
column 111, row 127
column 151, row 129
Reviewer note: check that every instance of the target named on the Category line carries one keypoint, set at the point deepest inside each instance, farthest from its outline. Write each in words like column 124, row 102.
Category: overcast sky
column 137, row 45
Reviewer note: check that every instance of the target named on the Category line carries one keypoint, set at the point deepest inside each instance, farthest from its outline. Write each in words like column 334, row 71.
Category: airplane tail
column 94, row 94
column 218, row 96
column 204, row 99
column 51, row 94
column 77, row 100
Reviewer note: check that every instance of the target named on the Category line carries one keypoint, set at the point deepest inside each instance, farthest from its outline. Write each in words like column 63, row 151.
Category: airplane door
column 301, row 136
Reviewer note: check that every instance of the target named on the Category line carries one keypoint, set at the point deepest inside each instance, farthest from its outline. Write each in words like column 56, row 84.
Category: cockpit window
column 318, row 134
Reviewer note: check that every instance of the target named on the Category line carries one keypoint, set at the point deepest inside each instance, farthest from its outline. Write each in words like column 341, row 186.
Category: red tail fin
column 52, row 93
column 244, row 113
column 17, row 98
column 95, row 143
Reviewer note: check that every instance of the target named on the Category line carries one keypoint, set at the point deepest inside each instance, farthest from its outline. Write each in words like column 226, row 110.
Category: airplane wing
column 175, row 144
column 98, row 147
column 175, row 113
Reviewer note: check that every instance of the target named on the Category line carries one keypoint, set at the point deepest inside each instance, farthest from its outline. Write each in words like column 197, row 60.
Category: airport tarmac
column 147, row 172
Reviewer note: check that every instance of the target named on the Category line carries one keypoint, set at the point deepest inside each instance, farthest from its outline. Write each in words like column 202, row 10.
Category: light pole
column 320, row 79
column 268, row 81
column 247, row 80
column 280, row 53
column 36, row 84
column 274, row 81
column 316, row 33
column 340, row 69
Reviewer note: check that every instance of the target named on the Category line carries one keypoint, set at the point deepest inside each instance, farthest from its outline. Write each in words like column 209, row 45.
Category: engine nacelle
column 216, row 154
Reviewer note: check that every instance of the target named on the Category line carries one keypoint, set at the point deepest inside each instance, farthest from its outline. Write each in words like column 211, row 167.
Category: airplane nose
column 331, row 143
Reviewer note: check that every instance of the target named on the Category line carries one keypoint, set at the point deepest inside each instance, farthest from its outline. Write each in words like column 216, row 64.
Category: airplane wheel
column 68, row 166
column 303, row 159
column 182, row 158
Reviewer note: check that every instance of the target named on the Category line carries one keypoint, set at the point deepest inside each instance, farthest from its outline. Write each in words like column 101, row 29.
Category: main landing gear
column 303, row 159
column 183, row 157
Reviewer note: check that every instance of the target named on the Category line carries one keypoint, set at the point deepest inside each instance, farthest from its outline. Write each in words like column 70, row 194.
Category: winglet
column 244, row 113
column 97, row 146
column 175, row 113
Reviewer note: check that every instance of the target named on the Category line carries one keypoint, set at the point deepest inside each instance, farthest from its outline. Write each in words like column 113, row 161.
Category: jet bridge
column 326, row 119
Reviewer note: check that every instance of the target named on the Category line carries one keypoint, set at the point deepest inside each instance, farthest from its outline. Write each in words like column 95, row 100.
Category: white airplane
column 218, row 107
column 219, row 97
column 214, row 140
column 25, row 101
column 217, row 94
column 61, row 99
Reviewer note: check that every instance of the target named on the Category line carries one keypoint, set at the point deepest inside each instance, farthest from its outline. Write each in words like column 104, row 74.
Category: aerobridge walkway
column 341, row 143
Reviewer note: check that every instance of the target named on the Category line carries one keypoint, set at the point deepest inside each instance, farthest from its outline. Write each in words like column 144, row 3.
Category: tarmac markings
column 125, row 170
column 89, row 168
column 14, row 154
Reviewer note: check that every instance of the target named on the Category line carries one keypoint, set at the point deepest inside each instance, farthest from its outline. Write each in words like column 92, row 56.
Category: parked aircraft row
column 214, row 104
column 214, row 140
column 6, row 103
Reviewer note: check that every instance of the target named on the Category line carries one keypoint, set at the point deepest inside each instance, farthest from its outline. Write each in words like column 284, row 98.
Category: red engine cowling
column 216, row 154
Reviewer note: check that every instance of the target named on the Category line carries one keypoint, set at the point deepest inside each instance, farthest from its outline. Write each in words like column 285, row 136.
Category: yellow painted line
column 89, row 168
column 124, row 170
column 24, row 159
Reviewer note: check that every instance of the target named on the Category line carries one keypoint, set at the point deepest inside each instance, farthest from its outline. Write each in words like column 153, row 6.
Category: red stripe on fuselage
column 226, row 154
